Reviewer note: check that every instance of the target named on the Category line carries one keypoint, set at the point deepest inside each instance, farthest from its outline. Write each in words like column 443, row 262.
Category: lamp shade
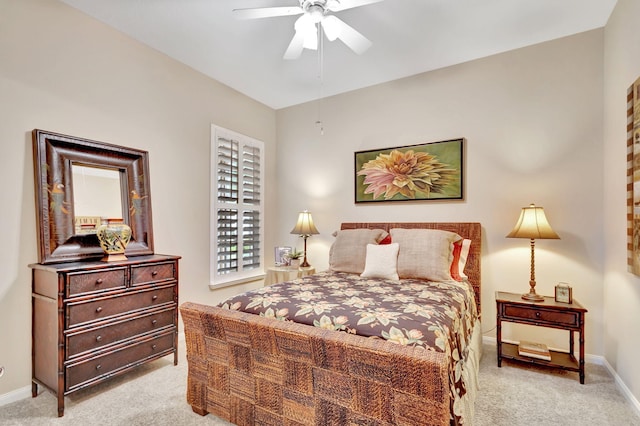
column 304, row 225
column 533, row 224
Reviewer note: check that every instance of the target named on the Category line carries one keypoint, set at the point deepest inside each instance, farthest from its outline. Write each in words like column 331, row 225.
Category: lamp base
column 533, row 297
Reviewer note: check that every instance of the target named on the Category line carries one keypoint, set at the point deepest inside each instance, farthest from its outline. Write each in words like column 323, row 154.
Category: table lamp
column 533, row 224
column 305, row 228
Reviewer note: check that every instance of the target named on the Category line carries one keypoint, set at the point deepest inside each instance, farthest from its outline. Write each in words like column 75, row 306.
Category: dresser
column 93, row 320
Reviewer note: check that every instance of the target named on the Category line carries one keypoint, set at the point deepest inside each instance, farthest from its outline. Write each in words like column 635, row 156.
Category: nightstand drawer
column 541, row 316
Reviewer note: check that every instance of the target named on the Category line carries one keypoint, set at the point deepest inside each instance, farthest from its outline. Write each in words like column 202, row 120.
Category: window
column 236, row 207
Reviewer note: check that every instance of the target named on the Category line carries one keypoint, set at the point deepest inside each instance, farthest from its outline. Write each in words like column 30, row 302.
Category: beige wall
column 65, row 72
column 621, row 289
column 533, row 123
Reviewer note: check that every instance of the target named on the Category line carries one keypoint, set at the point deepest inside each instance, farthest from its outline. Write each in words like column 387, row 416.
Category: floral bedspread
column 436, row 316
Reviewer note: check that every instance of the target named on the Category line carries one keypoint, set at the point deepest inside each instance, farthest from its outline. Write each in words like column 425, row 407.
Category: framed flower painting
column 429, row 171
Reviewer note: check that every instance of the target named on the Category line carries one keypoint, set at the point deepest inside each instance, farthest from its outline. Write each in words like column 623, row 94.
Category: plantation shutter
column 237, row 206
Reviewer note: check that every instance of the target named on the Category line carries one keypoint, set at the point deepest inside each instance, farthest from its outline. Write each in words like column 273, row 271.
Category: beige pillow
column 425, row 253
column 381, row 261
column 348, row 252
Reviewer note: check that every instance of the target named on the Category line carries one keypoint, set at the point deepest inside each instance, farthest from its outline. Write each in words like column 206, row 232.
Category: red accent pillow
column 385, row 240
column 460, row 253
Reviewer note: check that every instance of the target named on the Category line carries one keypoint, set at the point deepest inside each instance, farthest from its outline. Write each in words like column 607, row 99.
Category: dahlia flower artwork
column 420, row 172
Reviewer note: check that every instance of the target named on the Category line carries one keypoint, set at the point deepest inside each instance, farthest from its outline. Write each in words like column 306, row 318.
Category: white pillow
column 382, row 261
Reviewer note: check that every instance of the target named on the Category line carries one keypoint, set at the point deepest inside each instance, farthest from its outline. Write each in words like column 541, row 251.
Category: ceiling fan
column 306, row 29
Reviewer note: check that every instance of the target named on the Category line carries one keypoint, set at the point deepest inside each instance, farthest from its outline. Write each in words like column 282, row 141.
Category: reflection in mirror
column 96, row 195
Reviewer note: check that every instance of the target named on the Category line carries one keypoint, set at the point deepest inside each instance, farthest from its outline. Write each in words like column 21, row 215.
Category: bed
column 251, row 368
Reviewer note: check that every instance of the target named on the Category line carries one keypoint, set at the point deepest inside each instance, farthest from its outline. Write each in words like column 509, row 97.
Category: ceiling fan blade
column 267, row 12
column 340, row 5
column 295, row 47
column 352, row 38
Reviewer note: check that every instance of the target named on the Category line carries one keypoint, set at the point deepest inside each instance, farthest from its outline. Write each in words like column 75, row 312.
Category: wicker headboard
column 469, row 230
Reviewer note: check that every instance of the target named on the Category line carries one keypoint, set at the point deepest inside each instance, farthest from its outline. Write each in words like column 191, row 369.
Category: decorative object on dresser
column 305, row 228
column 532, row 224
column 114, row 235
column 510, row 307
column 92, row 320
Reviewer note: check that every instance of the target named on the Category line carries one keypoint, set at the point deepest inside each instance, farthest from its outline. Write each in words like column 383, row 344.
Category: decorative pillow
column 381, row 261
column 348, row 252
column 425, row 253
column 386, row 240
column 460, row 254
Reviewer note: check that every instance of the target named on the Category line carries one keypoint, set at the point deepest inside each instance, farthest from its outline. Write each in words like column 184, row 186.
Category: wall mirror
column 78, row 183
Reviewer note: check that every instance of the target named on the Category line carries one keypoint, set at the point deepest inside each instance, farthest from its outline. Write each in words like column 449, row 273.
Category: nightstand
column 511, row 307
column 278, row 274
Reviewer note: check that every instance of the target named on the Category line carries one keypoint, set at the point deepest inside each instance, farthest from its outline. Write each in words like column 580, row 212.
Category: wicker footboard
column 251, row 370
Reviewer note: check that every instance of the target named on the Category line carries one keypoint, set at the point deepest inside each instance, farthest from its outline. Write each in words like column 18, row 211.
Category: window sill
column 230, row 283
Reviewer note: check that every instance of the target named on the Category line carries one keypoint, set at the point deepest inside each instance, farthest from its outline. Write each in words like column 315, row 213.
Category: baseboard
column 593, row 359
column 622, row 386
column 15, row 395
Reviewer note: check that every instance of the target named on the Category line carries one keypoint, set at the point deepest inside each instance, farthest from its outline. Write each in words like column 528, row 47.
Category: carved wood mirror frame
column 53, row 156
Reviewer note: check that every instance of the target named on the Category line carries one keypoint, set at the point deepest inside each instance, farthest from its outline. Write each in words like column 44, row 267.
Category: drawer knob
column 154, row 322
column 99, row 281
column 98, row 338
column 154, row 273
column 99, row 309
column 154, row 347
column 155, row 296
column 98, row 367
column 537, row 314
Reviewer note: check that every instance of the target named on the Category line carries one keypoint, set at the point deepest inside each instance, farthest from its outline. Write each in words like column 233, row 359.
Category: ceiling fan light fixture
column 314, row 13
column 331, row 27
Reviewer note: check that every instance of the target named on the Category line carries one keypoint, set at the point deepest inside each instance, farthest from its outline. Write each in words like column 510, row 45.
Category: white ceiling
column 409, row 37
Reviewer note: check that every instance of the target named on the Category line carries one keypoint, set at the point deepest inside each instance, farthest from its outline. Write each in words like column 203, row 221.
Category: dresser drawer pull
column 154, row 347
column 98, row 367
column 98, row 338
column 99, row 309
column 154, row 322
column 155, row 296
column 537, row 314
column 154, row 273
column 99, row 281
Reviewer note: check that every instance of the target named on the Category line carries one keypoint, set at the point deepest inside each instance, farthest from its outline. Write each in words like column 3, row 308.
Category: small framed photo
column 280, row 255
column 564, row 293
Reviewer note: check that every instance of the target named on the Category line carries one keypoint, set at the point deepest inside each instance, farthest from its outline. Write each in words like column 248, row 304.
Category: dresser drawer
column 541, row 316
column 103, row 366
column 156, row 272
column 81, row 342
column 90, row 282
column 79, row 313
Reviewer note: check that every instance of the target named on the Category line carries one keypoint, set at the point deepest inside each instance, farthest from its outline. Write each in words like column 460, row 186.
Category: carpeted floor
column 154, row 394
